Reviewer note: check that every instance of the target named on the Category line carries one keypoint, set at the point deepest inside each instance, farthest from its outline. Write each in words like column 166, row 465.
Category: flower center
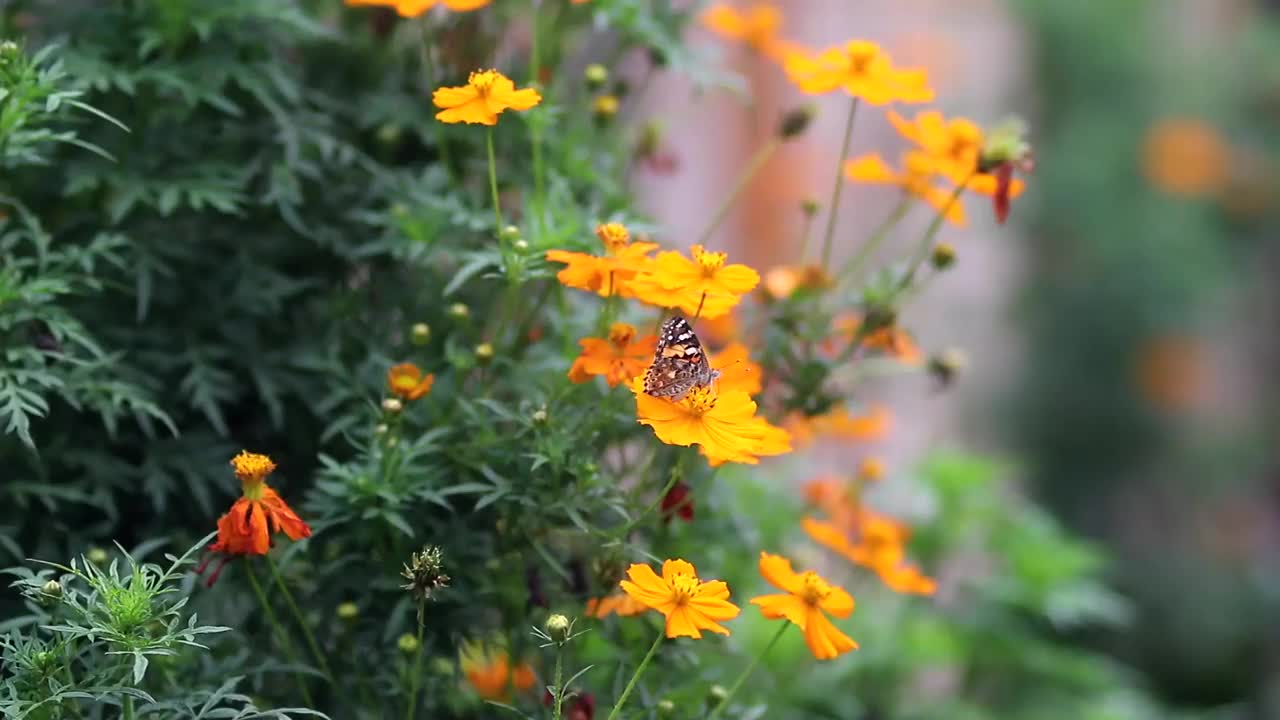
column 700, row 400
column 861, row 56
column 482, row 81
column 620, row 335
column 710, row 262
column 614, row 236
column 815, row 589
column 684, row 587
column 252, row 468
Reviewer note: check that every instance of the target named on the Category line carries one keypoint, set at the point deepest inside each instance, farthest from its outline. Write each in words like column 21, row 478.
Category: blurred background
column 1122, row 335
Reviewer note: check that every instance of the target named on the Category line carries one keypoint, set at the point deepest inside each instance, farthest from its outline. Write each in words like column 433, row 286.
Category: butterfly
column 679, row 363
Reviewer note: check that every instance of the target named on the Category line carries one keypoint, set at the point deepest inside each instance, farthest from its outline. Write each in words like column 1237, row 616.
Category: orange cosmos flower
column 489, row 671
column 783, row 281
column 689, row 604
column 246, row 529
column 407, row 381
column 620, row 604
column 806, row 599
column 703, row 286
column 892, row 340
column 861, row 69
column 871, row 469
column 916, row 178
column 870, row 426
column 953, row 148
column 619, row 359
column 757, row 27
column 719, row 331
column 606, row 275
column 724, row 425
column 414, row 8
column 879, row 548
column 485, row 96
column 737, row 370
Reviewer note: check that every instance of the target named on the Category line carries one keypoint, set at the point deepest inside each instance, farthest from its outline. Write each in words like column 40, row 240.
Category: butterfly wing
column 679, row 362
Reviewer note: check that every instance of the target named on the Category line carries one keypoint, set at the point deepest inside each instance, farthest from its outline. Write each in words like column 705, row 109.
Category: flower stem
column 753, row 167
column 834, row 209
column 852, row 268
column 804, row 236
column 559, row 680
column 297, row 615
column 281, row 635
column 417, row 663
column 126, row 712
column 676, row 474
column 747, row 673
column 926, row 242
column 631, row 685
column 493, row 182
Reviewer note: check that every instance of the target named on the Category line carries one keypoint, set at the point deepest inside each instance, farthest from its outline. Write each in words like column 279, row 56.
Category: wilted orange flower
column 485, row 96
column 724, row 424
column 861, row 69
column 407, row 381
column 620, row 604
column 782, row 281
column 916, row 178
column 757, row 27
column 247, row 528
column 880, row 548
column 737, row 370
column 806, row 600
column 611, row 273
column 703, row 286
column 619, row 358
column 1186, row 157
column 414, row 8
column 689, row 604
column 489, row 671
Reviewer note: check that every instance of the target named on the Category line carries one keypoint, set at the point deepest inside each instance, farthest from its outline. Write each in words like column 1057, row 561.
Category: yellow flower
column 689, row 604
column 880, row 548
column 952, row 148
column 916, row 178
column 407, row 381
column 702, row 287
column 724, row 425
column 757, row 27
column 414, row 8
column 484, row 97
column 868, row 427
column 737, row 370
column 619, row 359
column 611, row 273
column 871, row 469
column 620, row 604
column 861, row 69
column 489, row 671
column 806, row 599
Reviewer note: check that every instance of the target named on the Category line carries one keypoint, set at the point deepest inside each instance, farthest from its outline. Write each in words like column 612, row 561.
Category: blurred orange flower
column 724, row 425
column 861, row 69
column 489, row 671
column 737, row 370
column 757, row 27
column 620, row 604
column 953, row 148
column 247, row 527
column 891, row 340
column 869, row 427
column 719, row 331
column 871, row 469
column 916, row 178
column 1186, row 157
column 880, row 548
column 619, row 358
column 703, row 286
column 406, row 381
column 611, row 273
column 782, row 281
column 689, row 604
column 806, row 599
column 485, row 96
column 414, row 8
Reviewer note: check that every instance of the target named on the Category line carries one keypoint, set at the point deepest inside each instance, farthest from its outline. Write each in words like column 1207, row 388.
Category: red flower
column 677, row 501
column 578, row 706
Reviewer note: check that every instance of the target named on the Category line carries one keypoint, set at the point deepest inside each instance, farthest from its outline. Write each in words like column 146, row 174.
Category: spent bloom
column 247, row 527
column 756, row 27
column 406, row 381
column 620, row 358
column 677, row 502
column 701, row 285
column 805, row 601
column 414, row 8
column 424, row 573
column 485, row 96
column 689, row 604
column 488, row 670
column 608, row 274
column 861, row 69
column 723, row 424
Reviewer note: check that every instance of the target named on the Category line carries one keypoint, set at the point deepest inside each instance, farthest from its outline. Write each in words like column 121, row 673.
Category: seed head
column 425, row 573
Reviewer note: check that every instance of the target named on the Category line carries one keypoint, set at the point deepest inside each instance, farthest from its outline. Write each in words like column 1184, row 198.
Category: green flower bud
column 943, row 256
column 50, row 593
column 716, row 694
column 348, row 611
column 408, row 644
column 558, row 627
column 520, row 245
column 392, row 405
column 509, row 233
column 420, row 334
column 459, row 311
column 795, row 122
column 484, row 353
column 810, row 207
column 98, row 556
column 666, row 709
column 539, row 416
column 596, row 76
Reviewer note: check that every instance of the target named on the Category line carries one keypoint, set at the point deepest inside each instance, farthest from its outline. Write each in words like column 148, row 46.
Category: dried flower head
column 425, row 573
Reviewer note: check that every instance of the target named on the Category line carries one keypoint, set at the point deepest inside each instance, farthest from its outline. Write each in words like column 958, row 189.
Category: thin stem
column 535, row 126
column 926, row 242
column 631, row 685
column 559, row 680
column 833, row 210
column 753, row 167
column 733, row 690
column 429, row 70
column 701, row 301
column 417, row 663
column 281, row 635
column 493, row 182
column 297, row 615
column 127, row 710
column 804, row 236
column 854, row 266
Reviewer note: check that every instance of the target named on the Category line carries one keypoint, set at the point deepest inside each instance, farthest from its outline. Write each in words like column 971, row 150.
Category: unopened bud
column 946, row 365
column 539, row 416
column 389, row 134
column 8, row 49
column 98, row 556
column 604, row 108
column 381, row 429
column 796, row 121
column 441, row 666
column 596, row 76
column 1006, row 143
column 51, row 592
column 879, row 317
column 392, row 405
column 871, row 469
column 944, row 256
column 420, row 334
column 666, row 709
column 458, row 311
column 716, row 694
column 408, row 644
column 484, row 353
column 348, row 611
column 557, row 627
column 810, row 207
column 509, row 233
column 520, row 245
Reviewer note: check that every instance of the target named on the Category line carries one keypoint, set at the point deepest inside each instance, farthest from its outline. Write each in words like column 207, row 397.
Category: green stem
column 281, row 635
column 833, row 210
column 127, row 710
column 559, row 680
column 733, row 690
column 631, row 685
column 804, row 236
column 753, row 167
column 417, row 663
column 926, row 242
column 854, row 266
column 493, row 182
column 676, row 474
column 297, row 615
